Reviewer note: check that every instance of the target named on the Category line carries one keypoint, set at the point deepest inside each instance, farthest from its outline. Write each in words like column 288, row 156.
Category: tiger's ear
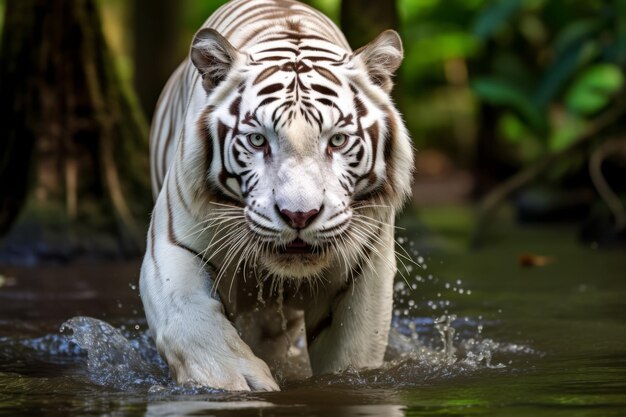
column 213, row 55
column 382, row 57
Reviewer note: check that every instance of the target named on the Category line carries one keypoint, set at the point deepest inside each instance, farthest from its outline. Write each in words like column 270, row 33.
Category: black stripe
column 323, row 90
column 171, row 236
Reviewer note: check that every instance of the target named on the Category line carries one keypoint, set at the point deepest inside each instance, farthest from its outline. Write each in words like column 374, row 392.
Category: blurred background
column 517, row 110
column 516, row 107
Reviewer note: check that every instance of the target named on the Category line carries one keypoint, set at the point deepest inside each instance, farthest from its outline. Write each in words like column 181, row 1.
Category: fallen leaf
column 527, row 260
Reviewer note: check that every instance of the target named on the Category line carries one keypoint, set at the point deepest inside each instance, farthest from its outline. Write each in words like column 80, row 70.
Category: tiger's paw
column 224, row 362
column 242, row 375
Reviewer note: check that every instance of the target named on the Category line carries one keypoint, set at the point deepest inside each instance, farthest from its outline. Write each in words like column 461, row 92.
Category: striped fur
column 279, row 158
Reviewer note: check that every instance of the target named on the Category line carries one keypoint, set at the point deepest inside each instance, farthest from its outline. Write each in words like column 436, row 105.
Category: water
column 474, row 333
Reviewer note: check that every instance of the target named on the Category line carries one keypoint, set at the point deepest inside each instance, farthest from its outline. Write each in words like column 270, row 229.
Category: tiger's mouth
column 297, row 259
column 298, row 247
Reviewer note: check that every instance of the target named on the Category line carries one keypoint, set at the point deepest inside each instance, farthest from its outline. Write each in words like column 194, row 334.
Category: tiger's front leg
column 352, row 329
column 200, row 345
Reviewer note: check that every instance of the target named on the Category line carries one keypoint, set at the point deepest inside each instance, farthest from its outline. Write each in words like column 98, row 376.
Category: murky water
column 474, row 333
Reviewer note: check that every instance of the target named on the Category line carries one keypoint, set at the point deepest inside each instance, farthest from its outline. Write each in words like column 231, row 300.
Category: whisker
column 214, row 203
column 238, row 241
column 406, row 256
column 361, row 216
column 370, row 235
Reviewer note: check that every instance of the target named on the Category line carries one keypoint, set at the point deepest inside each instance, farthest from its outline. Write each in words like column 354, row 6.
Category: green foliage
column 543, row 68
column 594, row 89
column 506, row 94
column 330, row 8
column 566, row 75
column 495, row 17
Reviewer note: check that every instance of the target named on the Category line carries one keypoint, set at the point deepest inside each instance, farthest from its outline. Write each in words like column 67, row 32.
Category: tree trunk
column 74, row 148
column 156, row 52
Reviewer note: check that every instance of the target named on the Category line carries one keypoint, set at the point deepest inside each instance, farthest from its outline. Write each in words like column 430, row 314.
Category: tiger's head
column 306, row 140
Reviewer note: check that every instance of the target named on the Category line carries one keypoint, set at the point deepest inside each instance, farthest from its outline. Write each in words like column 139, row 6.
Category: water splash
column 112, row 360
column 444, row 326
column 420, row 348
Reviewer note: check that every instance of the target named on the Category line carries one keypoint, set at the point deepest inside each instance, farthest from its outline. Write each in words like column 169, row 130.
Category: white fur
column 196, row 313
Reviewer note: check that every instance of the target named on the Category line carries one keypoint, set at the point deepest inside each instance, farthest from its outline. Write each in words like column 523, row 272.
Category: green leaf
column 563, row 68
column 507, row 95
column 494, row 17
column 511, row 128
column 565, row 131
column 576, row 33
column 594, row 89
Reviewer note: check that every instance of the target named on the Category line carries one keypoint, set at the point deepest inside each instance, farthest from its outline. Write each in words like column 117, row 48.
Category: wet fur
column 221, row 300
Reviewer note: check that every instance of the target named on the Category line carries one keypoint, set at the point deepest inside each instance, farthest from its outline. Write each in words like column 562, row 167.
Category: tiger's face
column 303, row 139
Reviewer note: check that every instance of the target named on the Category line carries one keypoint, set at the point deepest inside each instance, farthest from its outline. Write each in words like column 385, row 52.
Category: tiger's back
column 278, row 164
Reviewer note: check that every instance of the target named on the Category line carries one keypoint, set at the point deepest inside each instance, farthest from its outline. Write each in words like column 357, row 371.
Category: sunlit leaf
column 412, row 9
column 330, row 8
column 594, row 88
column 422, row 52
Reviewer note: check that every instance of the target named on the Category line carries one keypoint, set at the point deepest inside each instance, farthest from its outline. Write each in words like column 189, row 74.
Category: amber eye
column 338, row 140
column 257, row 140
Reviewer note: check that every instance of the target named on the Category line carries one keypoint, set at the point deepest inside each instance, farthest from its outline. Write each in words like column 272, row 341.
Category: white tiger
column 278, row 163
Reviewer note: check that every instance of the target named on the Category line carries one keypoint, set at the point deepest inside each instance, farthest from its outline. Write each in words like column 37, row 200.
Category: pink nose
column 298, row 219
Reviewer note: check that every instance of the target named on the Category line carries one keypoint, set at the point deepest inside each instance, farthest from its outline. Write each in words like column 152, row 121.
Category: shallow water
column 536, row 341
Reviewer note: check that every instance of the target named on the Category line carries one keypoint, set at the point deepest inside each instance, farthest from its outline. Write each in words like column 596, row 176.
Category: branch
column 595, row 171
column 525, row 176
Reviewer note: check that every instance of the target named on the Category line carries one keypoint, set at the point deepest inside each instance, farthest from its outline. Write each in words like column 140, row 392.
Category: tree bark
column 74, row 142
column 156, row 52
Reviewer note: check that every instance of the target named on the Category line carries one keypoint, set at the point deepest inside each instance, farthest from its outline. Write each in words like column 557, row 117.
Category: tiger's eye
column 338, row 140
column 257, row 140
